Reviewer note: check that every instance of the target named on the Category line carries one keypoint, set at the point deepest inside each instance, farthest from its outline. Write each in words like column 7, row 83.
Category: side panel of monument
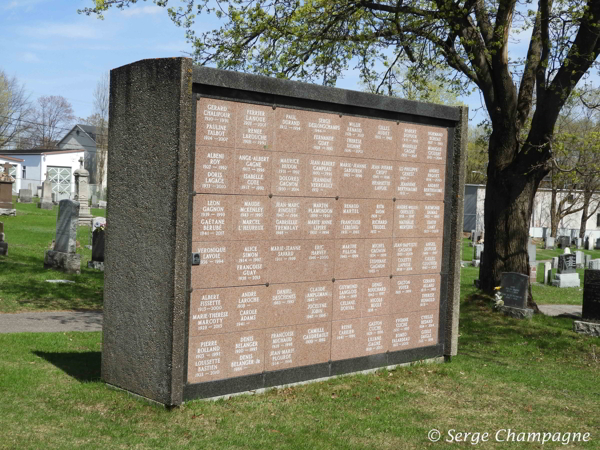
column 264, row 232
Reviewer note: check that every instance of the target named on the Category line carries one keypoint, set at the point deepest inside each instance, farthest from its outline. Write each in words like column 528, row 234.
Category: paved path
column 558, row 310
column 51, row 322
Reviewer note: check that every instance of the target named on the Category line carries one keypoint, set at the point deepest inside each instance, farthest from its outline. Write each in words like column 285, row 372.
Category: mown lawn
column 527, row 376
column 23, row 285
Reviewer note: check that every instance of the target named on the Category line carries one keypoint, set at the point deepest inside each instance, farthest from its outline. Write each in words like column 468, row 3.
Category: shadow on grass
column 84, row 367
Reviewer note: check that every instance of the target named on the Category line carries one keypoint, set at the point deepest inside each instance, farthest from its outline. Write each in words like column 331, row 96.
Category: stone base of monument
column 476, row 262
column 565, row 280
column 98, row 265
column 65, row 262
column 517, row 313
column 45, row 204
column 589, row 328
column 8, row 212
column 85, row 220
column 4, row 248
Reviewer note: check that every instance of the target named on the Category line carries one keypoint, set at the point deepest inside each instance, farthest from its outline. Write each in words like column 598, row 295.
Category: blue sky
column 55, row 51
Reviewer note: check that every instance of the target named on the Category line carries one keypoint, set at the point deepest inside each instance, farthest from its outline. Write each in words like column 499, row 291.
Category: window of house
column 23, row 172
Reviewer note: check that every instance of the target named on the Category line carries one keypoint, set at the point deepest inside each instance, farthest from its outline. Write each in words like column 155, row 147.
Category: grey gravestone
column 477, row 250
column 101, row 204
column 579, row 242
column 98, row 245
column 594, row 264
column 586, row 260
column 25, row 196
column 514, row 289
column 555, row 262
column 597, row 244
column 579, row 259
column 547, row 273
column 63, row 256
column 549, row 243
column 587, row 243
column 564, row 242
column 46, row 200
column 94, row 201
column 591, row 295
column 472, row 235
column 66, row 226
column 567, row 263
column 82, row 192
column 531, row 249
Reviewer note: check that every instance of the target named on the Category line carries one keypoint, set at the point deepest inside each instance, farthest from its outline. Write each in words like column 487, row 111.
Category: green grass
column 22, row 273
column 525, row 375
column 542, row 254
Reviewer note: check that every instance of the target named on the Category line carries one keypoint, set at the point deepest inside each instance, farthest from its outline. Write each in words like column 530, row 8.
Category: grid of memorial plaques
column 320, row 237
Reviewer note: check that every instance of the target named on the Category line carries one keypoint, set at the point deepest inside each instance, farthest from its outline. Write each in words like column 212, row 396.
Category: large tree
column 15, row 111
column 316, row 40
column 52, row 116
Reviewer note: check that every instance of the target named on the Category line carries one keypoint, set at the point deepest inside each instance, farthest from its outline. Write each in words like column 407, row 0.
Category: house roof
column 41, row 151
column 90, row 130
column 10, row 158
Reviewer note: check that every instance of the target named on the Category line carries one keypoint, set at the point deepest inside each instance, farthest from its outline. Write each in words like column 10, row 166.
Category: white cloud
column 137, row 11
column 25, row 4
column 30, row 57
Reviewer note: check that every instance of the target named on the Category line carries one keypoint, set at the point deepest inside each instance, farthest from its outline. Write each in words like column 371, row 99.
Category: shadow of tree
column 84, row 366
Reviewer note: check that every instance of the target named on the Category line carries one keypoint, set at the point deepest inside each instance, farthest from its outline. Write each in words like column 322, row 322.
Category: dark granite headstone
column 98, row 245
column 531, row 249
column 567, row 263
column 591, row 295
column 564, row 242
column 3, row 245
column 514, row 289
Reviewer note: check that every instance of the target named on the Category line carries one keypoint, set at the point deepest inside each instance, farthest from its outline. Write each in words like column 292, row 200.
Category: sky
column 55, row 51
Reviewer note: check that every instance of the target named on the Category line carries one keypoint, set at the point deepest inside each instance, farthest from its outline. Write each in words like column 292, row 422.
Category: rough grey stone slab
column 594, row 264
column 66, row 226
column 547, row 272
column 555, row 262
column 531, row 252
column 561, row 310
column 25, row 196
column 566, row 280
column 517, row 313
column 591, row 295
column 8, row 212
column 65, row 262
column 549, row 243
column 4, row 248
column 589, row 328
column 97, row 265
column 45, row 204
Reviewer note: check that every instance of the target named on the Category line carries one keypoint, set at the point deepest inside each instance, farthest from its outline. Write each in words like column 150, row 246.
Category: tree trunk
column 508, row 208
column 584, row 215
column 553, row 215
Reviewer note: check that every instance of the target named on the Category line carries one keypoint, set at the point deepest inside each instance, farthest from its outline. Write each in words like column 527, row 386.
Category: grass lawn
column 542, row 254
column 22, row 273
column 529, row 376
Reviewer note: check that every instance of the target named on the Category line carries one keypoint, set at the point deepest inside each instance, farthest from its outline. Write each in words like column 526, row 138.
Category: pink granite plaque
column 250, row 261
column 251, row 217
column 377, row 298
column 421, row 143
column 380, row 139
column 415, row 293
column 212, row 218
column 437, row 142
column 245, row 352
column 428, row 323
column 252, row 172
column 416, row 256
column 354, row 136
column 318, row 301
column 288, row 215
column 254, row 127
column 288, row 259
column 291, row 130
column 375, row 331
column 320, row 216
column 289, row 174
column 350, row 258
column 285, row 304
column 379, row 218
column 281, row 348
column 380, row 180
column 347, row 339
column 418, row 219
column 207, row 358
column 323, row 177
column 404, row 332
column 379, row 255
column 416, row 181
column 320, row 261
column 216, row 265
column 215, row 123
column 433, row 187
column 354, row 180
column 407, row 147
column 352, row 218
column 314, row 343
column 324, row 134
column 347, row 298
column 214, row 171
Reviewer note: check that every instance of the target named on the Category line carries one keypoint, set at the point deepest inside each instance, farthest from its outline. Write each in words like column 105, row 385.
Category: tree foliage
column 51, row 116
column 15, row 111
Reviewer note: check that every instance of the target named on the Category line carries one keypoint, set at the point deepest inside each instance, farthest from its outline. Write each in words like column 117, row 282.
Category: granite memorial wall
column 308, row 231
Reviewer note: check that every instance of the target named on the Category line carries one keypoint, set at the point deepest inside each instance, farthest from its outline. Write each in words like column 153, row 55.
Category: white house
column 540, row 217
column 31, row 167
column 16, row 172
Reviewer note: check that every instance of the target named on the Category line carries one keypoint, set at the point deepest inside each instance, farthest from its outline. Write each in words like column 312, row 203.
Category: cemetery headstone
column 594, row 264
column 7, row 208
column 98, row 222
column 46, row 199
column 54, row 198
column 587, row 243
column 3, row 245
column 477, row 251
column 566, row 275
column 590, row 314
column 547, row 273
column 25, row 196
column 38, row 191
column 532, row 273
column 531, row 252
column 64, row 257
column 97, row 261
column 564, row 242
column 102, row 204
column 597, row 247
column 549, row 245
column 586, row 260
column 94, row 201
column 280, row 254
column 81, row 192
column 514, row 288
column 555, row 262
column 579, row 259
column 579, row 242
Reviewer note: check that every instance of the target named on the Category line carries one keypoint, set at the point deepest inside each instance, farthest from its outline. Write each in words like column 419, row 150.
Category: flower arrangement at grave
column 498, row 297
